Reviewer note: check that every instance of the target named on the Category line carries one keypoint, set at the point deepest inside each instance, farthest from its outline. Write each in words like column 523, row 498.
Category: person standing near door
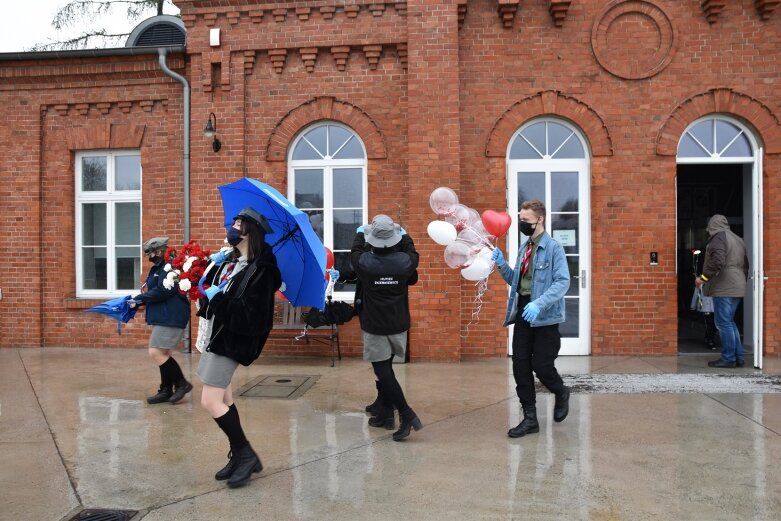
column 538, row 285
column 723, row 277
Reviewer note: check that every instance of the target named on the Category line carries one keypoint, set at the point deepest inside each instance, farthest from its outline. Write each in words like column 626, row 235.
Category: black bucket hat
column 154, row 244
column 249, row 214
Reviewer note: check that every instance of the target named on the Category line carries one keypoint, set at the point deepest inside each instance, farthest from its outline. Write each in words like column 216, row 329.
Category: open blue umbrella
column 117, row 309
column 300, row 254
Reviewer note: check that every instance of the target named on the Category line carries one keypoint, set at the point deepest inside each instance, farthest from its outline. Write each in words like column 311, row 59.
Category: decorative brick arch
column 322, row 108
column 549, row 103
column 723, row 101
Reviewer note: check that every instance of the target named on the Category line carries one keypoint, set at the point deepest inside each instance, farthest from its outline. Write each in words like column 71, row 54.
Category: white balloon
column 442, row 232
column 478, row 270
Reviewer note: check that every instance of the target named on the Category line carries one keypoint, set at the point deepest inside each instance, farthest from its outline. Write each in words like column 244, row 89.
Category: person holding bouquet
column 240, row 303
column 168, row 312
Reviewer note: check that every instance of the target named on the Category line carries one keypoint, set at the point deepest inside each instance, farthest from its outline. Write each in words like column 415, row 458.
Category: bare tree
column 88, row 12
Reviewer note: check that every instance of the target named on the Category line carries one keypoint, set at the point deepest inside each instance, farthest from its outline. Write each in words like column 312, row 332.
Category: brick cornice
column 558, row 11
column 549, row 103
column 507, row 10
column 766, row 7
column 322, row 108
column 103, row 107
column 712, row 9
column 719, row 101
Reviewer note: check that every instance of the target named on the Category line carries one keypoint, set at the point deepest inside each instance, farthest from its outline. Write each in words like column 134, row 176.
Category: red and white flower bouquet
column 185, row 268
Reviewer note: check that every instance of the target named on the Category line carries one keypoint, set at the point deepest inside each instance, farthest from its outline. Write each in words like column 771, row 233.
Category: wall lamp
column 211, row 131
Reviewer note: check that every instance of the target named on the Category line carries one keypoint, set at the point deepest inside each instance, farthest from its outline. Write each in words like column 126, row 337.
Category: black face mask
column 155, row 259
column 527, row 228
column 234, row 236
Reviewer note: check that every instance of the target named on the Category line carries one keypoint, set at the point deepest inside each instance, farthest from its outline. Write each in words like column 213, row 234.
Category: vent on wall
column 158, row 31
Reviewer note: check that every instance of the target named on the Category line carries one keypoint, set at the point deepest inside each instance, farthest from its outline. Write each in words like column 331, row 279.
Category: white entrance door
column 719, row 139
column 547, row 160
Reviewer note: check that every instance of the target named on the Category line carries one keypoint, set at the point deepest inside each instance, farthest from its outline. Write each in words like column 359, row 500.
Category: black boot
column 561, row 407
column 182, row 387
column 374, row 407
column 247, row 462
column 409, row 421
column 385, row 418
column 226, row 471
column 529, row 424
column 163, row 395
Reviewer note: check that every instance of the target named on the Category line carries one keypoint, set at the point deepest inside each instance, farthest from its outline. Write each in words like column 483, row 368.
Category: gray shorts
column 378, row 348
column 216, row 370
column 165, row 337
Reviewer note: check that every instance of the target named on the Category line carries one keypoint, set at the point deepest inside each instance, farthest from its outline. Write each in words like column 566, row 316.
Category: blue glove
column 219, row 257
column 360, row 228
column 334, row 274
column 497, row 257
column 530, row 312
column 213, row 290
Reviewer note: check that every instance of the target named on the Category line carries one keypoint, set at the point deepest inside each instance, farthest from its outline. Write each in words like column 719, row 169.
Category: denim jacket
column 550, row 282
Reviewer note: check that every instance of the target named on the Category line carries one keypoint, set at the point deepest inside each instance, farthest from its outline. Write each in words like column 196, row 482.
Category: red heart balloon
column 329, row 258
column 497, row 223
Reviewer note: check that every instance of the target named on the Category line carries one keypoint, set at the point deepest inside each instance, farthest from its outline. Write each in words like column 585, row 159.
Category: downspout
column 163, row 52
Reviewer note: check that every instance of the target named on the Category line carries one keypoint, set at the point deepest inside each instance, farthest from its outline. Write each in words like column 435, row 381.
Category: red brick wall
column 435, row 88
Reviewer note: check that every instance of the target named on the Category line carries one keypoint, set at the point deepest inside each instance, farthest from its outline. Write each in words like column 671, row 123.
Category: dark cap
column 154, row 244
column 249, row 214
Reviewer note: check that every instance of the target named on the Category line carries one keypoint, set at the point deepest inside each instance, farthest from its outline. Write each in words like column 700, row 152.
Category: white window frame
column 110, row 197
column 328, row 165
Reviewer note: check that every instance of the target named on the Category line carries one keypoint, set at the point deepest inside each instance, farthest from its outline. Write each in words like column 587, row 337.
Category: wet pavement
column 656, row 438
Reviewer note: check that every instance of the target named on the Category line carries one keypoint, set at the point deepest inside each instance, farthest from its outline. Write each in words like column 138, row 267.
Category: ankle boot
column 182, row 387
column 385, row 418
column 247, row 462
column 226, row 471
column 529, row 424
column 163, row 395
column 561, row 406
column 409, row 421
column 374, row 407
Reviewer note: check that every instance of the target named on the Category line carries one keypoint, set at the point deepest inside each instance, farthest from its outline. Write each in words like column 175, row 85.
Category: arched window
column 327, row 180
column 546, row 140
column 715, row 138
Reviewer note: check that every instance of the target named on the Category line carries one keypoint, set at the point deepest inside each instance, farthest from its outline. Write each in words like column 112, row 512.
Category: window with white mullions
column 327, row 171
column 108, row 223
column 714, row 137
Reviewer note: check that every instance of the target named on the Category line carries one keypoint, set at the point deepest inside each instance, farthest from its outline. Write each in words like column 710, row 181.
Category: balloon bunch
column 468, row 236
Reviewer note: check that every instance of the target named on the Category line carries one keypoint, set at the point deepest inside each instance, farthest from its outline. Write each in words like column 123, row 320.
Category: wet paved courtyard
column 656, row 438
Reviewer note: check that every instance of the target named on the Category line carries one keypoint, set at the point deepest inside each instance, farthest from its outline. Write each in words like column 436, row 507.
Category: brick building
column 634, row 119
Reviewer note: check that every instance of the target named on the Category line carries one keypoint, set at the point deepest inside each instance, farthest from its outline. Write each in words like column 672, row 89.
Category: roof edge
column 89, row 53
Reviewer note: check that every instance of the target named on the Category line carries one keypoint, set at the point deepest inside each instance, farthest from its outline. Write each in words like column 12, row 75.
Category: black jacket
column 243, row 319
column 384, row 275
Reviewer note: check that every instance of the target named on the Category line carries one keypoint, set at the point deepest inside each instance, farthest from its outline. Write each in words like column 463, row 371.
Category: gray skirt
column 165, row 337
column 216, row 370
column 378, row 348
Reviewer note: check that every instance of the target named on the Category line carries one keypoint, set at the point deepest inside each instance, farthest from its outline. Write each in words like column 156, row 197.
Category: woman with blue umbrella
column 240, row 303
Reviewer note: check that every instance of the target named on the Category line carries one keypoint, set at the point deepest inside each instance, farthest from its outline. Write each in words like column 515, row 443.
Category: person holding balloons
column 385, row 266
column 538, row 284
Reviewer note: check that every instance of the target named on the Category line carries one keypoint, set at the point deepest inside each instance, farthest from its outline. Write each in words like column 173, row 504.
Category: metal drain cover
column 102, row 514
column 286, row 387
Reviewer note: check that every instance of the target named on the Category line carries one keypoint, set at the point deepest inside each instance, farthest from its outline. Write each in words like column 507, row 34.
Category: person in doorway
column 723, row 277
column 240, row 303
column 536, row 308
column 168, row 312
column 385, row 267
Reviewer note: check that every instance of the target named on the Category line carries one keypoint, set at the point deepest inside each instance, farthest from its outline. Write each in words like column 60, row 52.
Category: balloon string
column 477, row 303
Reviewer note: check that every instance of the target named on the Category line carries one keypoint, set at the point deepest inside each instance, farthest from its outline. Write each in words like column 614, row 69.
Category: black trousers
column 535, row 350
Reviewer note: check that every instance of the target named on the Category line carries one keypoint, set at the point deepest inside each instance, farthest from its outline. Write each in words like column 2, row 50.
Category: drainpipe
column 162, row 51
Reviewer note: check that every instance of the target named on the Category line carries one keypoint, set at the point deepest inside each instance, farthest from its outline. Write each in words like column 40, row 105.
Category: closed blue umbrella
column 300, row 254
column 117, row 309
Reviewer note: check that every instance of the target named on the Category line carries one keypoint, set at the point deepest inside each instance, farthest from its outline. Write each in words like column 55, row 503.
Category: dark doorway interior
column 703, row 190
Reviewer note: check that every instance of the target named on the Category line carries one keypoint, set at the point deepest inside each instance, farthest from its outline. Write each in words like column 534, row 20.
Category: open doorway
column 704, row 190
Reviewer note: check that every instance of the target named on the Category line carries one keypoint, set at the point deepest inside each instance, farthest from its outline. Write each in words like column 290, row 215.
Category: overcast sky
column 28, row 22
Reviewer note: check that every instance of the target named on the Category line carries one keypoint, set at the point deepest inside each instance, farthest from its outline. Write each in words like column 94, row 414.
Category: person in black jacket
column 385, row 270
column 240, row 302
column 168, row 312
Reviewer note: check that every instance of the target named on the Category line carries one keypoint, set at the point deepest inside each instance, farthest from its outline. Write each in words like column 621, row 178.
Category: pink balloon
column 458, row 254
column 442, row 200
